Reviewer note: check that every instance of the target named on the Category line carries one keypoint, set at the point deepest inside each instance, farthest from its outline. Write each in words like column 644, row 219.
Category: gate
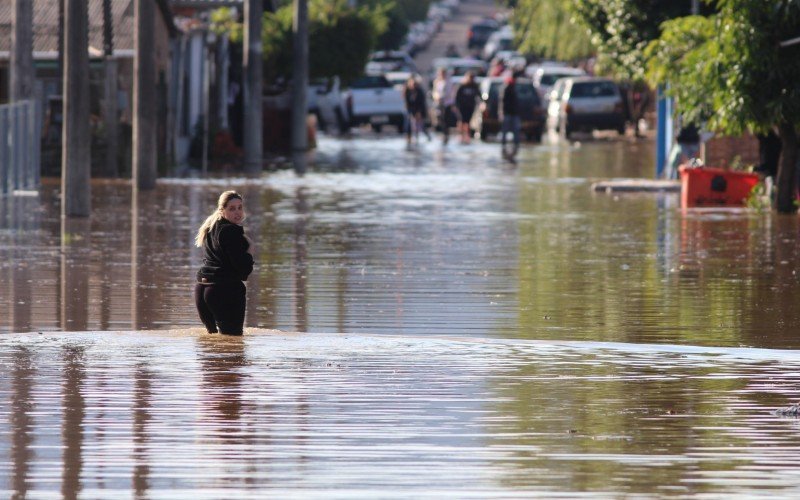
column 19, row 147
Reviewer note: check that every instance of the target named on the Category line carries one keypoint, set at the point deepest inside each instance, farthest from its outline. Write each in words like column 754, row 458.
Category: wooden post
column 144, row 97
column 253, row 67
column 110, row 109
column 22, row 73
column 76, row 153
column 300, row 77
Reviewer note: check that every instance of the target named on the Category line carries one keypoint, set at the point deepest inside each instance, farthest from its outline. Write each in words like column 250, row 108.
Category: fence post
column 12, row 142
column 5, row 161
column 36, row 144
column 24, row 146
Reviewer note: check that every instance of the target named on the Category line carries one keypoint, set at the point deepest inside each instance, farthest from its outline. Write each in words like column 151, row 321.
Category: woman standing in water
column 227, row 262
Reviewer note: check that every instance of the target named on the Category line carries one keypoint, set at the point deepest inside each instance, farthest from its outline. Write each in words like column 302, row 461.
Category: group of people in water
column 455, row 104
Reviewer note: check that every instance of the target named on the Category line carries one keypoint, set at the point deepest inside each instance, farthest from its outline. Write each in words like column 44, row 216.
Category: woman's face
column 233, row 211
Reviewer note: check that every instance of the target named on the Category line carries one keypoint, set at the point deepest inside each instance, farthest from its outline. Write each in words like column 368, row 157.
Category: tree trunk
column 787, row 170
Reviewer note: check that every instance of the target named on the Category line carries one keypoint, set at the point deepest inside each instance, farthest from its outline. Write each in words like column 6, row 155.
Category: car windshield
column 371, row 82
column 593, row 89
column 525, row 91
column 388, row 59
column 551, row 78
column 483, row 29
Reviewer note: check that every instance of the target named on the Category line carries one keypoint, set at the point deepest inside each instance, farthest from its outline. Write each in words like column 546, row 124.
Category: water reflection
column 296, row 415
column 74, row 411
column 434, row 241
column 142, row 396
column 21, row 420
column 76, row 245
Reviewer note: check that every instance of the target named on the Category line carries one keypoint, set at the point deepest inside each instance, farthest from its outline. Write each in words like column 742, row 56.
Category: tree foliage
column 730, row 70
column 549, row 29
column 621, row 29
column 340, row 39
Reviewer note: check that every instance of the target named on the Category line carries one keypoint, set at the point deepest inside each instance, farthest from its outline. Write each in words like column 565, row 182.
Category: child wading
column 227, row 262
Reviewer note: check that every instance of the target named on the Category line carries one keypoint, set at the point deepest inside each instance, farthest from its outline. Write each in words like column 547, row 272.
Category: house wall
column 722, row 151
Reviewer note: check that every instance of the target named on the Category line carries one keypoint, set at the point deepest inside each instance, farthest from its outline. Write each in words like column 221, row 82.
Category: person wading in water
column 227, row 261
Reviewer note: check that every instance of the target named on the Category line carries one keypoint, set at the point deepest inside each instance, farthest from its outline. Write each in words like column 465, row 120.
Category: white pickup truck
column 372, row 99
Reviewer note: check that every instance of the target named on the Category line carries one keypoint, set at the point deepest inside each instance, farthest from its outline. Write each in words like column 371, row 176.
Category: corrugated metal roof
column 45, row 24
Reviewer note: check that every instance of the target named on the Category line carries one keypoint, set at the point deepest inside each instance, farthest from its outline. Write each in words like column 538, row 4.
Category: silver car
column 585, row 104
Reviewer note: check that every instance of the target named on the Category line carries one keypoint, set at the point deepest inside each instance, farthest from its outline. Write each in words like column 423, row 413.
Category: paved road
column 455, row 31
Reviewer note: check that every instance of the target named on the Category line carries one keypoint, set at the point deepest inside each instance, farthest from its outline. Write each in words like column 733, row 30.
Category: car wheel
column 621, row 130
column 377, row 127
column 484, row 134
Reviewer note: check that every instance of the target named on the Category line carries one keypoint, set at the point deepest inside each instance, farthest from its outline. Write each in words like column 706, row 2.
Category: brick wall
column 721, row 151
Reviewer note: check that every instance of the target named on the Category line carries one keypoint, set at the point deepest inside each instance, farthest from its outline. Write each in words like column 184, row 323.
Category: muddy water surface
column 505, row 331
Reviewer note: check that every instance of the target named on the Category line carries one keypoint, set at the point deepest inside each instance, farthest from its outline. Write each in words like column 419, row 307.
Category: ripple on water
column 167, row 413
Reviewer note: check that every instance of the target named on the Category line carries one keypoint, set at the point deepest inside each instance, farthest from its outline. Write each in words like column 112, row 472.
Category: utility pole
column 76, row 156
column 253, row 67
column 300, row 77
column 110, row 110
column 22, row 51
column 144, row 98
column 695, row 7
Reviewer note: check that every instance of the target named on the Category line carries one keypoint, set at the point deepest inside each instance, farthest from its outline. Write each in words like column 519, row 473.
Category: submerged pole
column 76, row 154
column 252, row 62
column 300, row 77
column 22, row 72
column 144, row 98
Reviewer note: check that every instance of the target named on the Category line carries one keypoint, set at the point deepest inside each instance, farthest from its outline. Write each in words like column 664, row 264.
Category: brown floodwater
column 460, row 326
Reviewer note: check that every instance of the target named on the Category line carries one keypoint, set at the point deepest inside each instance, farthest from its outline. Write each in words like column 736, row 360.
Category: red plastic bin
column 715, row 187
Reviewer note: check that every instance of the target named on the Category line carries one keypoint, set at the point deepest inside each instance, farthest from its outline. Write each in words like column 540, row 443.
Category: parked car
column 545, row 76
column 487, row 117
column 479, row 33
column 372, row 99
column 324, row 99
column 502, row 39
column 458, row 66
column 585, row 103
column 390, row 60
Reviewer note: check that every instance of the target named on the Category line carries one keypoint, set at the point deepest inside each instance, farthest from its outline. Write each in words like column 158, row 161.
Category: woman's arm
column 237, row 249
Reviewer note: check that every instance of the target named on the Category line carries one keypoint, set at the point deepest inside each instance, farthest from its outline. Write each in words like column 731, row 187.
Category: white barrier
column 19, row 148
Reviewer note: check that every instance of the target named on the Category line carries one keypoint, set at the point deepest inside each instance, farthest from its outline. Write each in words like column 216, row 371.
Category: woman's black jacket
column 225, row 257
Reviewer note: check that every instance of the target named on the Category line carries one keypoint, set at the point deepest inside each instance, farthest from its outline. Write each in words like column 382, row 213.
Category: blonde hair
column 212, row 219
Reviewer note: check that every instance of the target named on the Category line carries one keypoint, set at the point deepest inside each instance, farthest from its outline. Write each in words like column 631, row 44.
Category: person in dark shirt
column 510, row 112
column 466, row 99
column 416, row 109
column 227, row 261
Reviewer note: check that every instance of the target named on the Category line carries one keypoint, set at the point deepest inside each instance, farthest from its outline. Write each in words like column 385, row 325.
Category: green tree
column 397, row 22
column 549, row 29
column 730, row 70
column 341, row 38
column 621, row 29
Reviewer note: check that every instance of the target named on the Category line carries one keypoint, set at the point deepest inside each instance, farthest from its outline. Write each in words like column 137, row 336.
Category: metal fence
column 19, row 147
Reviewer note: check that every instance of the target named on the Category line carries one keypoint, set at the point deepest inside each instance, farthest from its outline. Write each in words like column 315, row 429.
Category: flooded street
column 449, row 324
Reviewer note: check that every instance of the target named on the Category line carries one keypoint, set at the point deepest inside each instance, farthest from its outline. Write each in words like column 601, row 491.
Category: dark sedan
column 487, row 117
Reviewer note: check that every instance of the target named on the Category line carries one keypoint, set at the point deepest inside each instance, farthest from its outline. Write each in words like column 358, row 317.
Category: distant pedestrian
column 444, row 98
column 509, row 108
column 416, row 110
column 686, row 147
column 466, row 100
column 227, row 262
